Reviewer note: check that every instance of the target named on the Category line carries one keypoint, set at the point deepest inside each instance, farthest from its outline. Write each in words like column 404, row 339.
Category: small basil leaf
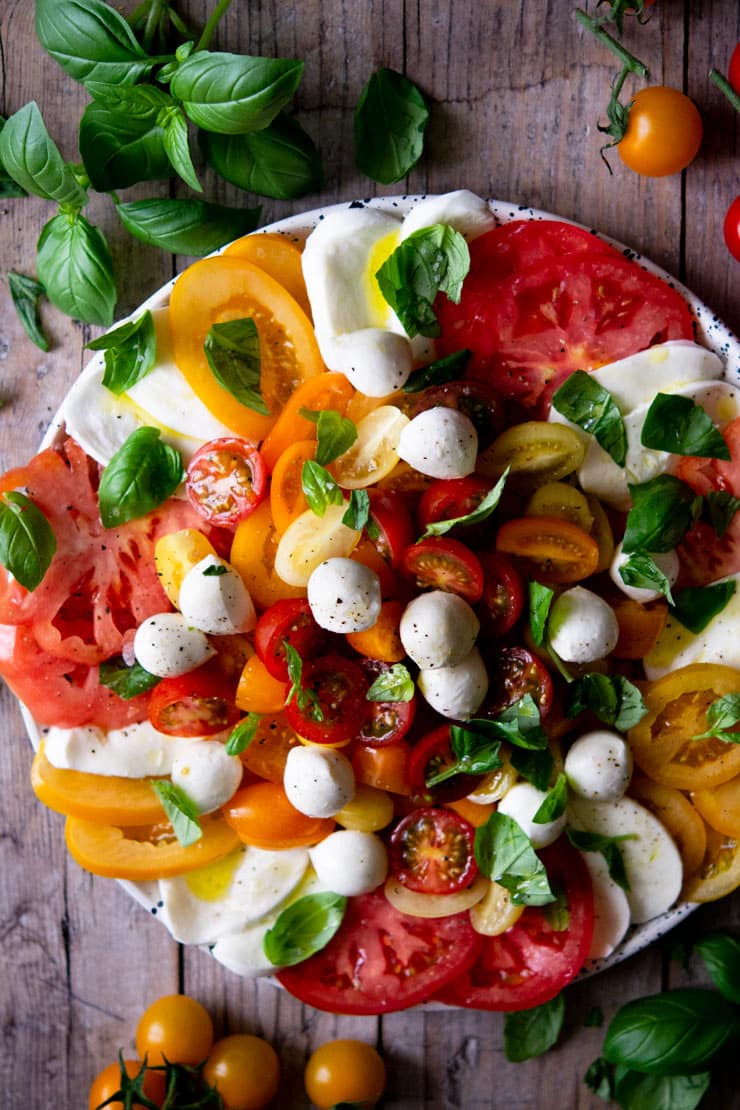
column 721, row 955
column 76, row 269
column 26, row 292
column 520, row 725
column 432, row 260
column 390, row 120
column 243, row 734
column 586, row 403
column 186, row 226
column 696, row 606
column 599, row 1078
column 554, row 803
column 608, row 846
column 142, row 474
column 721, row 507
column 8, row 187
column 642, row 571
column 182, row 813
column 395, row 684
column 475, row 752
column 448, row 369
column 634, row 1090
column 130, row 353
column 279, row 161
column 127, row 682
column 663, row 510
column 535, row 766
column 175, row 130
column 358, row 510
column 505, row 854
column 540, row 600
column 530, row 1033
column 483, row 510
column 233, row 93
column 319, row 488
column 120, row 149
column 233, row 353
column 306, row 699
column 303, row 928
column 723, row 715
column 32, row 159
column 613, row 698
column 91, row 41
column 678, row 425
column 27, row 540
column 335, row 433
column 132, row 101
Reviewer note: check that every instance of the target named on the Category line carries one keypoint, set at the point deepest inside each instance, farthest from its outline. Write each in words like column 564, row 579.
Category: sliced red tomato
column 520, row 244
column 532, row 961
column 381, row 960
column 291, row 620
column 199, row 703
column 430, row 755
column 502, row 601
column 432, row 851
column 226, row 480
column 705, row 475
column 394, row 526
column 440, row 563
column 512, row 673
column 705, row 556
column 475, row 399
column 449, row 498
column 337, row 708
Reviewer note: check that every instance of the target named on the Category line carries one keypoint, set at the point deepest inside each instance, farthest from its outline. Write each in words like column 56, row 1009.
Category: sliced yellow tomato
column 561, row 500
column 369, row 810
column 601, row 530
column 719, row 873
column 310, row 540
column 325, row 391
column 720, row 807
column 287, row 499
column 216, row 290
column 536, row 451
column 674, row 810
column 278, row 257
column 374, row 453
column 434, row 905
column 253, row 554
column 175, row 554
column 495, row 913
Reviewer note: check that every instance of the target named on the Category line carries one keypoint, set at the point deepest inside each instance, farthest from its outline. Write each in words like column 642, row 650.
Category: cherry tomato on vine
column 108, row 1081
column 245, row 1070
column 175, row 1026
column 226, row 480
column 733, row 72
column 345, row 1071
column 663, row 134
column 732, row 222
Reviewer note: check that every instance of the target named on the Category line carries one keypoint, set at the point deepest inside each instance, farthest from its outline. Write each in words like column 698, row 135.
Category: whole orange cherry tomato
column 663, row 134
column 345, row 1071
column 245, row 1071
column 175, row 1026
column 108, row 1081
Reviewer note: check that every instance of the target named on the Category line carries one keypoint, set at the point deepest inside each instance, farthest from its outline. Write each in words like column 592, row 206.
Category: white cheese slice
column 719, row 642
column 136, row 751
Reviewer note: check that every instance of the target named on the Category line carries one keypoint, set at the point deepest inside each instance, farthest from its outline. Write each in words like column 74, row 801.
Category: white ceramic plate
column 710, row 331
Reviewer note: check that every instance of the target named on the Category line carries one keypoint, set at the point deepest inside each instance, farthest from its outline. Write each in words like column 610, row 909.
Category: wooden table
column 517, row 90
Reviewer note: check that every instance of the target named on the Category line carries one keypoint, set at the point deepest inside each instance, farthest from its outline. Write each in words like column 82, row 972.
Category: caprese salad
column 376, row 600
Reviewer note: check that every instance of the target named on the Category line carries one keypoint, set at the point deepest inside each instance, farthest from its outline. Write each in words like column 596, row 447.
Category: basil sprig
column 482, row 511
column 696, row 606
column 442, row 370
column 663, row 510
column 504, row 853
column 540, row 600
column 319, row 488
column 723, row 717
column 182, row 813
column 390, row 120
column 677, row 424
column 432, row 260
column 280, row 161
column 554, row 803
column 233, row 353
column 613, row 698
column 335, row 433
column 641, row 570
column 721, row 506
column 27, row 540
column 475, row 750
column 584, row 402
column 303, row 928
column 532, row 1032
column 608, row 846
column 234, row 93
column 306, row 699
column 26, row 293
column 130, row 352
column 395, row 684
column 243, row 734
column 124, row 680
column 142, row 474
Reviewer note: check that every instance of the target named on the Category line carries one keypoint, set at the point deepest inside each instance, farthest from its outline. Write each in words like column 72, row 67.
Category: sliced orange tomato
column 258, row 691
column 554, row 550
column 261, row 815
column 384, row 768
column 367, row 553
column 720, row 807
column 268, row 752
column 287, row 499
column 674, row 810
column 640, row 626
column 253, row 555
column 719, row 873
column 326, row 391
column 216, row 290
column 477, row 813
column 278, row 257
column 146, row 851
column 175, row 554
column 662, row 743
column 383, row 640
column 105, row 799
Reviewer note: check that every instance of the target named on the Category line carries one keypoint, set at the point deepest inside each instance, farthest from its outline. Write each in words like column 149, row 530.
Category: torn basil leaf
column 663, row 510
column 504, row 854
column 540, row 600
column 443, row 370
column 319, row 488
column 609, row 848
column 130, row 353
column 142, row 474
column 642, row 571
column 303, row 928
column 584, row 402
column 696, row 606
column 26, row 293
column 358, row 510
column 335, row 433
column 432, row 260
column 721, row 507
column 677, row 424
column 395, row 684
column 390, row 120
column 482, row 512
column 554, row 803
column 27, row 540
column 243, row 734
column 127, row 682
column 612, row 698
column 182, row 813
column 233, row 353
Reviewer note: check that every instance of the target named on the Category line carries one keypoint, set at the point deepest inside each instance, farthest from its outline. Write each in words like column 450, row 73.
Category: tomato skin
column 432, row 754
column 108, row 1081
column 431, row 851
column 664, row 132
column 345, row 1071
column 245, row 1070
column 441, row 563
column 502, row 601
column 387, row 722
column 731, row 227
column 199, row 703
column 340, row 686
column 514, row 672
column 291, row 620
column 266, row 756
column 175, row 1026
column 449, row 498
column 261, row 815
column 389, row 511
column 384, row 768
column 554, row 550
column 733, row 71
column 226, row 480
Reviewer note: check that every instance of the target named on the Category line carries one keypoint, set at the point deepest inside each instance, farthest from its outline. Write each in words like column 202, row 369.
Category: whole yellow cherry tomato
column 663, row 134
column 345, row 1071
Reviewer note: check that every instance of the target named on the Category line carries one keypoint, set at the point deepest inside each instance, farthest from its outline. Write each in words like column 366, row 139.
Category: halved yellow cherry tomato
column 416, row 904
column 552, row 549
column 537, row 451
column 216, row 290
column 287, row 499
column 383, row 640
column 311, row 539
column 175, row 554
column 720, row 807
column 146, row 851
column 261, row 815
column 719, row 873
column 325, row 391
column 662, row 742
column 674, row 810
column 374, row 453
column 258, row 691
column 601, row 530
column 278, row 257
column 369, row 810
column 105, row 799
column 561, row 500
column 253, row 555
column 495, row 913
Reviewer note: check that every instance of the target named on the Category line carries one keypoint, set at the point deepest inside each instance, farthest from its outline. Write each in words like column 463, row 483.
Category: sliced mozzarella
column 318, row 781
column 167, row 646
column 666, row 561
column 463, row 210
column 206, row 773
column 344, row 595
column 611, row 908
column 438, row 629
column 651, row 858
column 521, row 804
column 136, row 751
column 441, row 443
column 599, row 765
column 214, row 599
column 582, row 627
column 456, row 691
column 375, row 361
column 227, row 896
column 717, row 643
column 310, row 540
column 350, row 862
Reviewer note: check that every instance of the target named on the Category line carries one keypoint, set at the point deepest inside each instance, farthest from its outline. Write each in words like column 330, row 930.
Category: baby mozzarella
column 214, row 599
column 166, row 645
column 318, row 781
column 344, row 595
column 463, row 210
column 582, row 627
column 667, row 562
column 521, row 803
column 599, row 765
column 438, row 629
column 206, row 773
column 441, row 443
column 456, row 691
column 350, row 862
column 374, row 360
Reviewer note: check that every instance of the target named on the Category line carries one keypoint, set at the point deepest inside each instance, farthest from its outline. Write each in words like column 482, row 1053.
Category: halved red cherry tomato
column 199, row 703
column 226, row 480
column 394, row 526
column 339, row 686
column 440, row 563
column 387, row 722
column 290, row 620
column 502, row 601
column 512, row 673
column 431, row 851
column 430, row 755
column 449, row 498
column 476, row 400
column 553, row 549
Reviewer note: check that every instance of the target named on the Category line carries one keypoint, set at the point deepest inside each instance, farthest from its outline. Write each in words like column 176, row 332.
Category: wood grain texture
column 516, row 89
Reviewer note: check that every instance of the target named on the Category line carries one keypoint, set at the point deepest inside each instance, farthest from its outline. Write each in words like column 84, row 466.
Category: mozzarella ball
column 441, row 443
column 467, row 213
column 376, row 361
column 438, row 629
column 318, row 781
column 456, row 691
column 207, row 774
column 582, row 627
column 344, row 595
column 350, row 862
column 166, row 645
column 666, row 561
column 599, row 765
column 214, row 599
column 521, row 803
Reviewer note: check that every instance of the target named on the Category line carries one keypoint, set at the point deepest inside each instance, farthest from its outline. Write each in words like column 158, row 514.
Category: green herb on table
column 26, row 293
column 142, row 474
column 390, row 120
column 233, row 353
column 130, row 353
column 677, row 424
column 532, row 1032
column 280, row 161
column 303, row 928
column 432, row 260
column 586, row 403
column 27, row 540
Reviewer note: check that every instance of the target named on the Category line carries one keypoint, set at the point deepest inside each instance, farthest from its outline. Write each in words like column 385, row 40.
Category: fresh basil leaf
column 303, row 928
column 215, row 570
column 142, row 474
column 599, row 1078
column 594, row 1018
column 721, row 507
column 390, row 120
column 677, row 424
column 186, row 226
column 175, row 130
column 535, row 766
column 612, row 698
column 26, row 292
column 142, row 102
column 540, row 600
column 27, row 540
column 169, row 69
column 505, row 854
column 432, row 260
column 584, row 402
column 608, row 846
column 335, row 433
column 233, row 353
column 696, row 606
column 233, row 93
column 8, row 187
column 530, row 1033
column 671, row 1033
column 395, row 684
column 182, row 813
column 279, row 161
column 120, row 149
column 634, row 1090
column 722, row 716
column 319, row 487
column 243, row 734
column 127, row 682
column 475, row 752
column 358, row 510
column 663, row 510
column 642, row 571
column 76, row 269
column 130, row 353
column 91, row 41
column 448, row 369
column 553, row 805
column 520, row 725
column 483, row 510
column 306, row 699
column 721, row 955
column 32, row 159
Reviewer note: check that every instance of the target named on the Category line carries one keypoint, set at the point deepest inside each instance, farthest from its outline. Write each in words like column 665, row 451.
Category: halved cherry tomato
column 502, row 601
column 431, row 851
column 553, row 550
column 720, row 807
column 640, row 626
column 536, row 451
column 512, row 673
column 374, row 454
column 449, row 498
column 561, row 500
column 258, row 691
column 367, row 553
column 261, row 815
column 226, row 480
column 326, row 391
column 476, row 400
column 267, row 754
column 384, row 768
column 719, row 873
column 430, row 755
column 253, row 555
column 674, row 810
column 393, row 524
column 440, row 563
column 664, row 132
column 177, row 553
column 387, row 722
column 339, row 686
column 476, row 813
column 199, row 703
column 287, row 499
column 383, row 640
column 290, row 620
column 278, row 257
